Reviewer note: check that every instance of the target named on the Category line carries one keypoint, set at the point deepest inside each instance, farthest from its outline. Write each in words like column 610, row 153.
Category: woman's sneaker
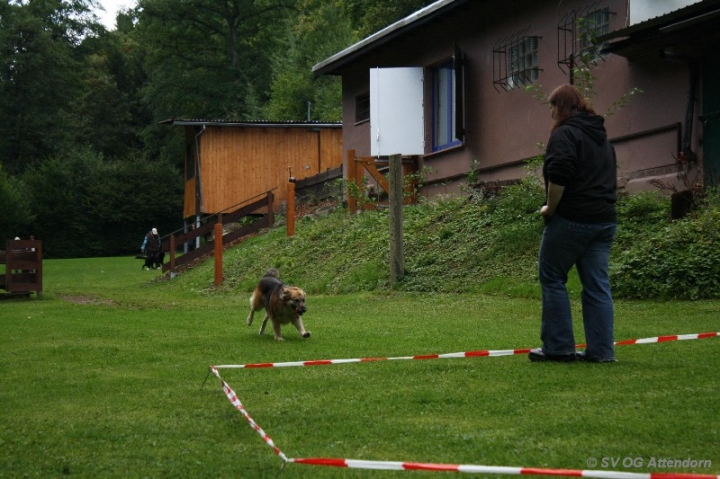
column 537, row 355
column 582, row 356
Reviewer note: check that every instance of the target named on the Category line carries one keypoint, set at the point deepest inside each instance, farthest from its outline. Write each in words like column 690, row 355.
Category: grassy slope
column 487, row 246
column 449, row 247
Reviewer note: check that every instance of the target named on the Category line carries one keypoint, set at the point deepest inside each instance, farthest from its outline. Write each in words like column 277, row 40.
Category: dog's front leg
column 250, row 317
column 278, row 334
column 300, row 327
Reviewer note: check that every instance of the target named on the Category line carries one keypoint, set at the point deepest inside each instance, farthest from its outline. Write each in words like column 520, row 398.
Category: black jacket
column 580, row 158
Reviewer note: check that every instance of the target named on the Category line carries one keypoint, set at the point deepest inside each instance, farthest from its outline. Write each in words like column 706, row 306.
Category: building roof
column 253, row 123
column 700, row 12
column 699, row 21
column 332, row 65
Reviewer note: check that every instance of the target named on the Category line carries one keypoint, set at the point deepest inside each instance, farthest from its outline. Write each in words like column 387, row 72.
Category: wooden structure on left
column 229, row 162
column 23, row 268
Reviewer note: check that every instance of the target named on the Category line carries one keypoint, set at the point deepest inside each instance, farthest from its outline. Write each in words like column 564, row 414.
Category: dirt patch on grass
column 85, row 300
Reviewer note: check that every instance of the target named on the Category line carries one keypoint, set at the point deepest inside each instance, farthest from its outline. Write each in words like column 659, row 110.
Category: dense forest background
column 85, row 165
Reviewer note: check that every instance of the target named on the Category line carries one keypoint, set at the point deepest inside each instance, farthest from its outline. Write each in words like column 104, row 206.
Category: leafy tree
column 92, row 207
column 108, row 114
column 209, row 58
column 15, row 207
column 319, row 30
column 39, row 76
column 128, row 198
column 369, row 16
column 59, row 187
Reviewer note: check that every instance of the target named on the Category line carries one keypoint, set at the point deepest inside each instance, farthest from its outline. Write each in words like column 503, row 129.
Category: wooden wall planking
column 239, row 163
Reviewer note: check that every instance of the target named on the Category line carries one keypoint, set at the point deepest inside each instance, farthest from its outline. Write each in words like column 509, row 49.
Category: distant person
column 152, row 247
column 580, row 222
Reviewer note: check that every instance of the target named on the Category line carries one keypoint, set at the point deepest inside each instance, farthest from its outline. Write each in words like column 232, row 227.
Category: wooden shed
column 228, row 163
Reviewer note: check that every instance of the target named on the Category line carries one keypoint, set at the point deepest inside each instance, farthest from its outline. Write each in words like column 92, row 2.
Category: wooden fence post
column 38, row 270
column 9, row 264
column 172, row 255
column 291, row 207
column 395, row 197
column 218, row 250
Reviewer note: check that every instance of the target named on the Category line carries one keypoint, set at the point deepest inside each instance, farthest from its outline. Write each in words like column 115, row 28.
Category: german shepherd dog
column 282, row 304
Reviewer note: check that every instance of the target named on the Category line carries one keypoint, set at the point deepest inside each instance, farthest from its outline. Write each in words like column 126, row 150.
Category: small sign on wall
column 396, row 111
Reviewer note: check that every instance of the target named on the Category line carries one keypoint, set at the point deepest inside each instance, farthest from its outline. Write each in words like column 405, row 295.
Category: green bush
column 656, row 258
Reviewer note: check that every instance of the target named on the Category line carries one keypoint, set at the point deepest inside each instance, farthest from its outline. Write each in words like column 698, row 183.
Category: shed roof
column 253, row 123
column 333, row 64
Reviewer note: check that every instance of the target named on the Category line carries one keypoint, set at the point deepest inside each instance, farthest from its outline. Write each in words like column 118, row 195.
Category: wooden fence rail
column 358, row 166
column 264, row 204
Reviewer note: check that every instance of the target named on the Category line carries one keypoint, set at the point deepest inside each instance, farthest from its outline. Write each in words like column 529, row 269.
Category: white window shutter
column 396, row 111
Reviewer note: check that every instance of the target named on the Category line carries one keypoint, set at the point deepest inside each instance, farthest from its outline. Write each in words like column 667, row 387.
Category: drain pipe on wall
column 198, row 184
column 681, row 203
column 687, row 155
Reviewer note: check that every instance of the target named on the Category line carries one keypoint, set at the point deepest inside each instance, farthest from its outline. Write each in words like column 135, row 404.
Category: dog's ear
column 285, row 294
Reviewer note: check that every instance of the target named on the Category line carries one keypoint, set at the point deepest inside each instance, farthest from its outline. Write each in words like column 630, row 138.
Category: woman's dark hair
column 568, row 101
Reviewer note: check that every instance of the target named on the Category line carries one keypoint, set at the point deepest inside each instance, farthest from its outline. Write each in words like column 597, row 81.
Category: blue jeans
column 587, row 246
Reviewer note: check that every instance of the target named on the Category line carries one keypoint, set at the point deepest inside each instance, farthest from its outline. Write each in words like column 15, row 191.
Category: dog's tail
column 273, row 273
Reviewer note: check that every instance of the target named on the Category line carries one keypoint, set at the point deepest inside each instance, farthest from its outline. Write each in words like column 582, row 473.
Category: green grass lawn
column 103, row 377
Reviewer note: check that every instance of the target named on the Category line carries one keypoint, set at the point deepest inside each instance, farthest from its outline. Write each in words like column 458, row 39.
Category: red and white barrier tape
column 232, row 397
column 467, row 468
column 467, row 354
column 664, row 339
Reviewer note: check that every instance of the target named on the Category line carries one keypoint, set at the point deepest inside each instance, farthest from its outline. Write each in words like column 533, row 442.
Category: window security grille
column 577, row 34
column 516, row 61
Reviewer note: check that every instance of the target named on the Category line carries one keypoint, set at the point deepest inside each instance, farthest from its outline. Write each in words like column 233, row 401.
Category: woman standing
column 580, row 223
column 152, row 247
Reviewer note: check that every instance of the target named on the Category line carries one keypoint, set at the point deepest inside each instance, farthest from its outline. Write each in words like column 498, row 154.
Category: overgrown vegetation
column 482, row 244
column 668, row 260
